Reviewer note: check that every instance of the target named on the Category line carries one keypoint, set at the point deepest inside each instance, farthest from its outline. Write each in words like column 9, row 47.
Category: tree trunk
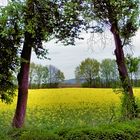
column 23, row 76
column 120, row 59
column 128, row 105
column 90, row 82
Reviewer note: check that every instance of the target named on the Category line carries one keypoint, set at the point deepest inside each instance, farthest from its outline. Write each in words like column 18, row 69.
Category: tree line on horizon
column 45, row 76
column 92, row 73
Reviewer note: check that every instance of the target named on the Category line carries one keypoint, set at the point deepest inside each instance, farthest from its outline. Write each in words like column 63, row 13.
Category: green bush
column 129, row 130
column 97, row 134
column 118, row 131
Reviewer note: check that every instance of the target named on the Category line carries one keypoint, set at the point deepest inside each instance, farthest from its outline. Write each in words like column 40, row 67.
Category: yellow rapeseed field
column 69, row 107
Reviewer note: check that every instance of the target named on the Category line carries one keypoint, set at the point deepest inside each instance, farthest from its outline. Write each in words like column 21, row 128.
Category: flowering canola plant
column 68, row 107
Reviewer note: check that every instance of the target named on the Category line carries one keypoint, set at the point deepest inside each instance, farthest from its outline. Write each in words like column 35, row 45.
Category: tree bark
column 22, row 77
column 129, row 107
column 120, row 60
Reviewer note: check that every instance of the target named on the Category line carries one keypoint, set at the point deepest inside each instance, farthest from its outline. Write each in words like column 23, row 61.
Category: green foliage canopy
column 43, row 20
column 9, row 42
column 124, row 14
column 88, row 70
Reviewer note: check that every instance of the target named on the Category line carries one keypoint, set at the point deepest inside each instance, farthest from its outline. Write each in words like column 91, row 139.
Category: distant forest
column 89, row 73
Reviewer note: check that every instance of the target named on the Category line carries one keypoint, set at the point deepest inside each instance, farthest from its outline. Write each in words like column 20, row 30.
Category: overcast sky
column 3, row 2
column 67, row 58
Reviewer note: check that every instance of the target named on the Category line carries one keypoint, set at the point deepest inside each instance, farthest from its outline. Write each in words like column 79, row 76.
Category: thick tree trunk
column 120, row 59
column 23, row 76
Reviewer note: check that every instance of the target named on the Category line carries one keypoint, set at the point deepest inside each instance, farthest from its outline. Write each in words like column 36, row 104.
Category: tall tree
column 32, row 74
column 55, row 76
column 88, row 70
column 121, row 17
column 59, row 77
column 37, row 21
column 40, row 73
column 108, row 71
column 45, row 75
column 133, row 66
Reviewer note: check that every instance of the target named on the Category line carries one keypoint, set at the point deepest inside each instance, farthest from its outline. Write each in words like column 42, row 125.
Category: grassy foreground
column 69, row 114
